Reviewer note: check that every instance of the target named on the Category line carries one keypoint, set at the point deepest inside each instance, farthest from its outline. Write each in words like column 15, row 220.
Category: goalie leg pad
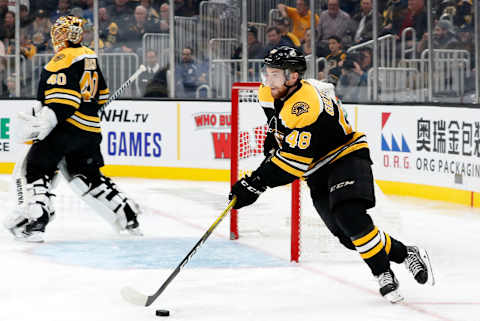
column 105, row 198
column 34, row 209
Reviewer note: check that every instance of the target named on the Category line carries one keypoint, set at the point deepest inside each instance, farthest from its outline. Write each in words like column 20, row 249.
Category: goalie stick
column 133, row 296
column 122, row 88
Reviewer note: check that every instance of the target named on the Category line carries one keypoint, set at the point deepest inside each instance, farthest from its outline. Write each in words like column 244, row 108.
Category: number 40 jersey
column 72, row 85
column 311, row 128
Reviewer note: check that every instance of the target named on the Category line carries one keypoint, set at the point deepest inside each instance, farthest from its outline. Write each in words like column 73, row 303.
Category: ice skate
column 27, row 231
column 418, row 263
column 30, row 237
column 133, row 227
column 389, row 287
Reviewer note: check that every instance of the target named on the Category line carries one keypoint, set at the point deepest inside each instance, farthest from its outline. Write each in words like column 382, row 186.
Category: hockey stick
column 133, row 296
column 122, row 88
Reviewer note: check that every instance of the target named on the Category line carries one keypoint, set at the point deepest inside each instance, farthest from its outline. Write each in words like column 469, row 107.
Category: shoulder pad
column 302, row 108
column 68, row 57
column 265, row 97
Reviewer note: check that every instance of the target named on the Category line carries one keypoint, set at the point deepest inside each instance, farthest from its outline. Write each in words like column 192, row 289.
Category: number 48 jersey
column 72, row 85
column 311, row 128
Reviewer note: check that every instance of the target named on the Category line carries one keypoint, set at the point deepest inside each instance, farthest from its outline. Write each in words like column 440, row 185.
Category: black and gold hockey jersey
column 311, row 129
column 72, row 85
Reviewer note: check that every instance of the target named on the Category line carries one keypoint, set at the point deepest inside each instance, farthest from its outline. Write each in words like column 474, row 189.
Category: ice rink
column 77, row 274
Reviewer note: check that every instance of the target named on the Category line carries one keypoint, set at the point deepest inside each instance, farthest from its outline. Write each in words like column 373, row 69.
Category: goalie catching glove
column 247, row 190
column 35, row 127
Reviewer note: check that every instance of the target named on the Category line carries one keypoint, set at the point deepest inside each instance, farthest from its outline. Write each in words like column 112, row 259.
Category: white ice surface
column 79, row 272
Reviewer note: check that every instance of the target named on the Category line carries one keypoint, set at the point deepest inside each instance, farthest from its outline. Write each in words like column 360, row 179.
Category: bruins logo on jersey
column 59, row 57
column 300, row 108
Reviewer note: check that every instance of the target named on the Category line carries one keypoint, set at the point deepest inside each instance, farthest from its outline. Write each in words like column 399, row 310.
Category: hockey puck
column 162, row 313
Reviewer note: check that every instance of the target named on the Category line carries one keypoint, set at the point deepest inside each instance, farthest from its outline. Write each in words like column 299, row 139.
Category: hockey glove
column 35, row 127
column 270, row 144
column 247, row 190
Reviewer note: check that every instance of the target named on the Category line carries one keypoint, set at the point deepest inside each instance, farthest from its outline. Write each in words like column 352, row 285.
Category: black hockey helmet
column 286, row 58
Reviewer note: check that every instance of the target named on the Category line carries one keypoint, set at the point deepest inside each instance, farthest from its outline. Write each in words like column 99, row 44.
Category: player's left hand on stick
column 35, row 127
column 247, row 190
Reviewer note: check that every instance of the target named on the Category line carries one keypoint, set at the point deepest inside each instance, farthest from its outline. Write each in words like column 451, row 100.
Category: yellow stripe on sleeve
column 104, row 91
column 287, row 168
column 301, row 159
column 349, row 150
column 86, row 117
column 63, row 91
column 63, row 101
column 81, row 126
column 366, row 238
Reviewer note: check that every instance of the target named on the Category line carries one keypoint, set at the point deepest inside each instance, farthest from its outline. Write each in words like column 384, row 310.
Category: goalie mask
column 67, row 29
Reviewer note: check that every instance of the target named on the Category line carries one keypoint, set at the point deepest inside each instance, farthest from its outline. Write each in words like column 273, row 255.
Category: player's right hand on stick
column 247, row 190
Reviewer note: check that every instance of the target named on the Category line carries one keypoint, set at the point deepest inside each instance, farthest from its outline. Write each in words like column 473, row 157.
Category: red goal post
column 247, row 136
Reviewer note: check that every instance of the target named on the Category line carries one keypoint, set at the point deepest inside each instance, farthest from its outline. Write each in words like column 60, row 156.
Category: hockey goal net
column 283, row 219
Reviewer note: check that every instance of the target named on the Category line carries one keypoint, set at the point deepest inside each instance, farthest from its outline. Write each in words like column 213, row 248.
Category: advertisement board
column 9, row 150
column 191, row 140
column 424, row 145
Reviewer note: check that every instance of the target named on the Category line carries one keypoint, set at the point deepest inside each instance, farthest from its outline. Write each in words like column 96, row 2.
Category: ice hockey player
column 313, row 140
column 66, row 135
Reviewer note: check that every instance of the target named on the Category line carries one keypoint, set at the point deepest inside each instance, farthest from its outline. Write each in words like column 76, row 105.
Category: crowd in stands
column 339, row 25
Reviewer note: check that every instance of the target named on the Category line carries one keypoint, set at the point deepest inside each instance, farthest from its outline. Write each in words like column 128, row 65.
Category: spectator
column 63, row 9
column 300, row 17
column 254, row 47
column 132, row 37
column 3, row 8
column 283, row 24
column 87, row 12
column 164, row 18
column 121, row 12
column 306, row 46
column 350, row 6
column 88, row 38
column 274, row 40
column 158, row 85
column 366, row 61
column 152, row 14
column 108, row 30
column 7, row 29
column 364, row 21
column 255, row 51
column 25, row 17
column 40, row 31
column 394, row 17
column 3, row 61
column 466, row 42
column 48, row 5
column 27, row 49
column 188, row 75
column 458, row 12
column 352, row 86
column 335, row 56
column 443, row 37
column 151, row 62
column 335, row 22
column 2, row 50
column 187, row 8
column 8, row 88
column 418, row 16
